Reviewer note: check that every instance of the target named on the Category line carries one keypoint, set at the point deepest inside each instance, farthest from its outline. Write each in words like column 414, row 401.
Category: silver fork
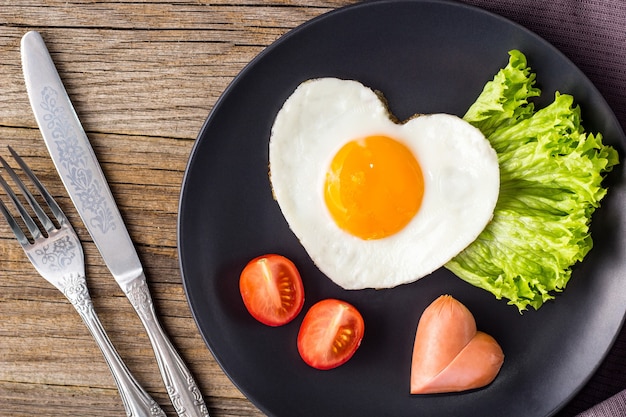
column 57, row 255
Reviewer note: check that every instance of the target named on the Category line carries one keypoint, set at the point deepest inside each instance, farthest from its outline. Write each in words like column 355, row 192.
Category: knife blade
column 82, row 176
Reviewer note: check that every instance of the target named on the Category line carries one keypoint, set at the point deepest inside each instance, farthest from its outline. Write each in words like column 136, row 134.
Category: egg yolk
column 374, row 187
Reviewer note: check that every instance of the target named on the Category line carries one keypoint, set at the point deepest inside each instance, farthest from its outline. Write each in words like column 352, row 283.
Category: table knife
column 86, row 185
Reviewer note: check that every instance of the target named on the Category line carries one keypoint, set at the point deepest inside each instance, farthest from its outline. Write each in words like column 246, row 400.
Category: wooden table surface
column 143, row 77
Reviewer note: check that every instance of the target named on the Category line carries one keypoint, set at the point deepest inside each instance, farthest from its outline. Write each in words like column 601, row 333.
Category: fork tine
column 54, row 207
column 43, row 217
column 28, row 220
column 17, row 230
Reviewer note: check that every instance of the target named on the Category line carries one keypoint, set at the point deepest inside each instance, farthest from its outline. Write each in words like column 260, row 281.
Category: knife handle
column 137, row 402
column 179, row 382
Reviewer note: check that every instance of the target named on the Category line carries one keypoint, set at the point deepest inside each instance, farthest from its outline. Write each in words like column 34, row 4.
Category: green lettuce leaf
column 550, row 185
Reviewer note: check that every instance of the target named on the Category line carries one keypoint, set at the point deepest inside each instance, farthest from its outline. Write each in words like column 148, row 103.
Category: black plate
column 426, row 57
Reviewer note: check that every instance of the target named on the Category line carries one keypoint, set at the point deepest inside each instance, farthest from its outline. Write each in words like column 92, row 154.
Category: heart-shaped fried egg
column 374, row 202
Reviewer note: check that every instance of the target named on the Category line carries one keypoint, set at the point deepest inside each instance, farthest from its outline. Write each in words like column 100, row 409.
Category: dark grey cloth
column 592, row 33
column 614, row 406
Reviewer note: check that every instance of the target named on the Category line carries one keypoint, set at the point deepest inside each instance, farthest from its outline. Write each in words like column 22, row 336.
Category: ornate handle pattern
column 181, row 386
column 137, row 402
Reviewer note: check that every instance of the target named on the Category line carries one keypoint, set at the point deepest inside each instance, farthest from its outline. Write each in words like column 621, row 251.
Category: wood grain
column 143, row 76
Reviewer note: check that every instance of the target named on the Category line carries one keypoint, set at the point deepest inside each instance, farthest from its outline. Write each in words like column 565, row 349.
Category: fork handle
column 137, row 402
column 181, row 386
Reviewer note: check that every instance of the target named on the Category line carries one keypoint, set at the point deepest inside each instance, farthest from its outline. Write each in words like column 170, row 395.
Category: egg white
column 461, row 183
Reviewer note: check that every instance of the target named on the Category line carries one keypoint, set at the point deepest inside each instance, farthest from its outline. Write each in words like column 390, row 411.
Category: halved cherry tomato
column 330, row 333
column 271, row 289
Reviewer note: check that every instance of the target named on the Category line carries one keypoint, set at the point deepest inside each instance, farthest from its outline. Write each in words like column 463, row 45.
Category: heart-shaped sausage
column 449, row 354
